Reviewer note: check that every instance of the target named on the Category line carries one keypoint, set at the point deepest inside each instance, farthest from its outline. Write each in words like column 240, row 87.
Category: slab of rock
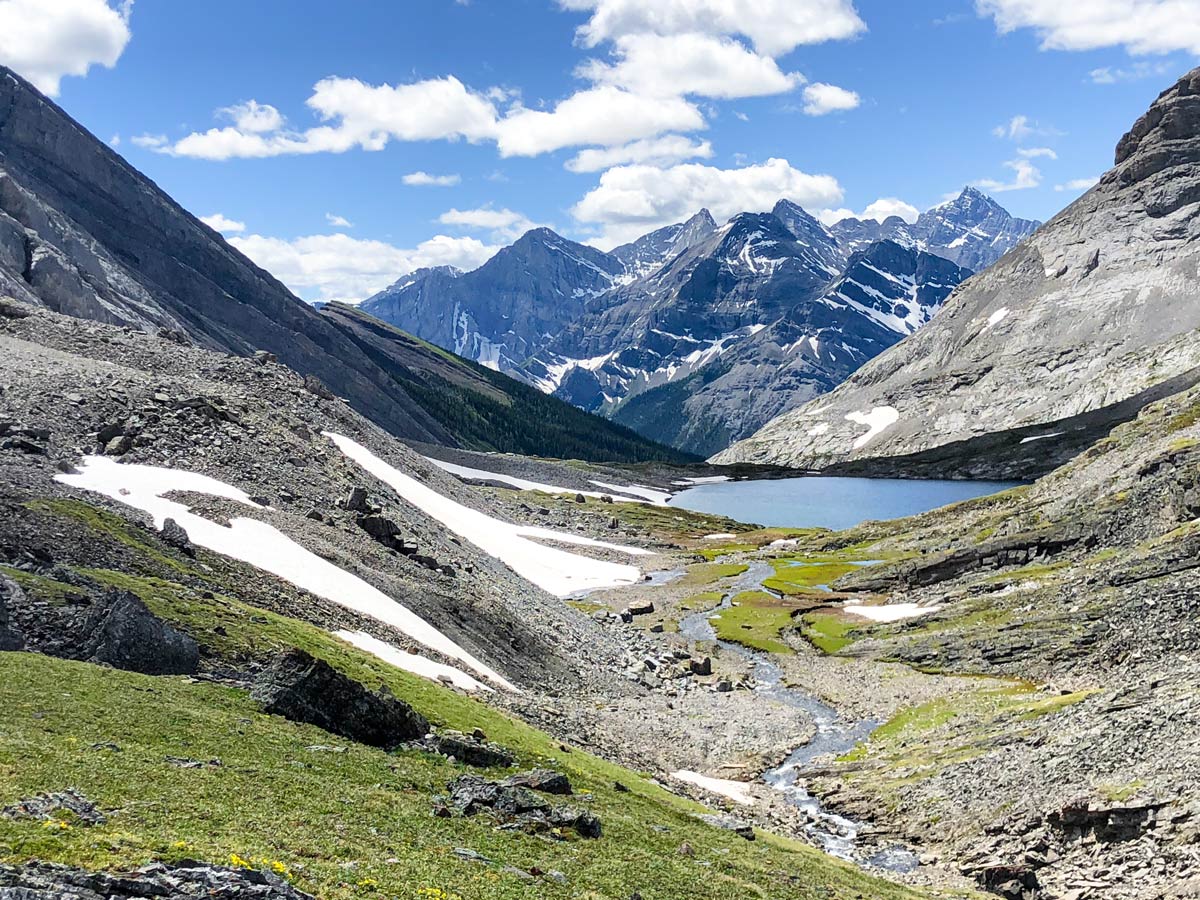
column 54, row 806
column 517, row 807
column 545, row 781
column 303, row 688
column 183, row 881
column 728, row 823
column 124, row 634
column 10, row 636
column 470, row 749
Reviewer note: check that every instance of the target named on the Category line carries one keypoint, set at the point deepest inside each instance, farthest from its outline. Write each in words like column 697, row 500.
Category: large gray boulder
column 124, row 634
column 10, row 636
column 302, row 688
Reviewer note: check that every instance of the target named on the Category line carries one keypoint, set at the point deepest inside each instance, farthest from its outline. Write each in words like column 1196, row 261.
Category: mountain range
column 84, row 233
column 670, row 334
column 1080, row 327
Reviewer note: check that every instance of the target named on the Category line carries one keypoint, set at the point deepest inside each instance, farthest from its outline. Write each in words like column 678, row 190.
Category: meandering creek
column 833, row 735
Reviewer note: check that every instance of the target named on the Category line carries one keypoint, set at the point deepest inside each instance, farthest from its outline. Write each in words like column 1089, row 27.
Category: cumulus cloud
column 821, row 99
column 1140, row 26
column 664, row 151
column 1020, row 128
column 702, row 64
column 424, row 179
column 45, row 41
column 1035, row 152
column 1077, row 184
column 604, row 115
column 631, row 200
column 503, row 224
column 1026, row 175
column 253, row 117
column 218, row 222
column 338, row 221
column 773, row 26
column 882, row 209
column 338, row 267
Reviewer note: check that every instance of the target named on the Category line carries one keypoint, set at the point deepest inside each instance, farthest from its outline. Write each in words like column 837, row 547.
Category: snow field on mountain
column 556, row 571
column 264, row 547
column 877, row 421
column 636, row 495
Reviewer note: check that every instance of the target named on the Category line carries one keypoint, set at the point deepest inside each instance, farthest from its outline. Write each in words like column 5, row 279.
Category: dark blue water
column 826, row 502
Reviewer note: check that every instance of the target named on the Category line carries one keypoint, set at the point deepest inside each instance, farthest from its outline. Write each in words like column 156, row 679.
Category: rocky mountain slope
column 83, row 233
column 1082, row 325
column 886, row 292
column 661, row 316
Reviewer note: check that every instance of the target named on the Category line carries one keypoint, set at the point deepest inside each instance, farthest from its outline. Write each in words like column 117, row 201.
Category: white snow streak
column 557, row 571
column 658, row 498
column 894, row 612
column 737, row 791
column 524, row 484
column 259, row 544
column 411, row 662
column 877, row 421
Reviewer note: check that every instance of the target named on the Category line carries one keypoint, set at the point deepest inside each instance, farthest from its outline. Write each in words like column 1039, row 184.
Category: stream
column 833, row 736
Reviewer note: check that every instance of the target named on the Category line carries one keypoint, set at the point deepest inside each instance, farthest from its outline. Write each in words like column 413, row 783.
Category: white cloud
column 338, row 221
column 1026, row 176
column 218, row 222
column 45, row 40
column 821, row 99
column 603, row 115
column 1035, row 152
column 504, row 224
column 631, row 200
column 881, row 209
column 339, row 267
column 1135, row 72
column 663, row 151
column 253, row 117
column 424, row 179
column 1140, row 26
column 1077, row 184
column 150, row 141
column 773, row 26
column 114, row 141
column 710, row 66
column 1018, row 128
column 361, row 116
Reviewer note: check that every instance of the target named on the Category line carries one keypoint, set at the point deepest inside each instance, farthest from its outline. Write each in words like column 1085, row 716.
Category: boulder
column 173, row 535
column 701, row 666
column 317, row 388
column 641, row 608
column 729, row 823
column 545, row 781
column 10, row 635
column 357, row 501
column 121, row 632
column 302, row 688
column 516, row 806
column 263, row 357
column 471, row 750
column 184, row 880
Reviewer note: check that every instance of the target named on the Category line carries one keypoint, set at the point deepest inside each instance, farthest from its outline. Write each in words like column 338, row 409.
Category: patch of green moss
column 828, row 630
column 1120, row 793
column 109, row 525
column 711, row 553
column 707, row 573
column 56, row 593
column 756, row 620
column 794, row 575
column 706, row 600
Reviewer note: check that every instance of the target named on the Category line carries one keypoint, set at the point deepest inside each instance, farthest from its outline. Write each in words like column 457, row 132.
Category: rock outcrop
column 1075, row 330
column 305, row 689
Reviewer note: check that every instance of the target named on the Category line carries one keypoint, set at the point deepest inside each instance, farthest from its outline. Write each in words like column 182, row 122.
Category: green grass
column 336, row 819
column 706, row 600
column 828, row 631
column 799, row 575
column 56, row 593
column 108, row 525
column 1120, row 793
column 758, row 621
column 708, row 573
column 711, row 553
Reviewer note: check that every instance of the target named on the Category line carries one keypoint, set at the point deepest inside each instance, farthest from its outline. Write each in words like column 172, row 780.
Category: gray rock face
column 10, row 635
column 45, row 881
column 647, row 253
column 83, row 233
column 886, row 293
column 1080, row 326
column 124, row 634
column 972, row 230
column 305, row 689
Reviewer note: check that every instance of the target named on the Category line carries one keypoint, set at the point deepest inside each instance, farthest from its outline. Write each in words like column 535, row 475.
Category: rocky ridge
column 1075, row 330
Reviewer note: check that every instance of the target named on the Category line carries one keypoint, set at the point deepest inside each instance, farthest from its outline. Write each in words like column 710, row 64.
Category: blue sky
column 669, row 105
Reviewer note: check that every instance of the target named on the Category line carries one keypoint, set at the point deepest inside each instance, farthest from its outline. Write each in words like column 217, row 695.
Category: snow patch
column 894, row 612
column 556, row 571
column 524, row 484
column 737, row 791
column 257, row 543
column 411, row 662
column 719, row 537
column 877, row 421
column 820, row 429
column 996, row 318
column 1042, row 437
column 658, row 498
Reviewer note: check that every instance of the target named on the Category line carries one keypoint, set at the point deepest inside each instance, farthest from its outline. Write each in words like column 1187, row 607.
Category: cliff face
column 84, row 233
column 1072, row 332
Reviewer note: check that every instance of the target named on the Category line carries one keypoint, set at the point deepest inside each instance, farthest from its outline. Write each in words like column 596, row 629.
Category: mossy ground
column 758, row 620
column 829, row 630
column 355, row 823
column 710, row 573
